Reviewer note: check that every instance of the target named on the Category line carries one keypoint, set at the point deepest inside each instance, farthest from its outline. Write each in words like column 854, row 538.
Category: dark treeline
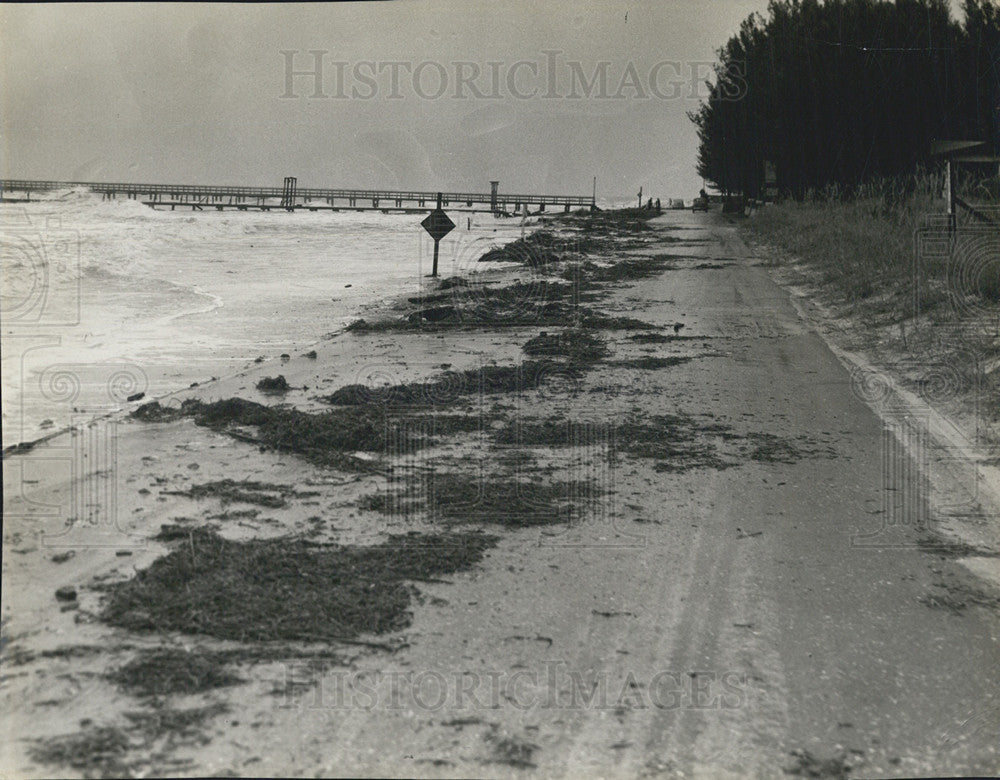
column 843, row 91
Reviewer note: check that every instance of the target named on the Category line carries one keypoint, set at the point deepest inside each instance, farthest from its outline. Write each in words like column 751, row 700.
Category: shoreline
column 131, row 296
column 382, row 304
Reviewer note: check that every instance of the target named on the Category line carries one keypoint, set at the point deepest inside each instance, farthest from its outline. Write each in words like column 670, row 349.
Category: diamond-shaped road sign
column 438, row 224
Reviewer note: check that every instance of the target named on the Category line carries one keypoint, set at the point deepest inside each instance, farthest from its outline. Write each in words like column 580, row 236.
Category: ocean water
column 104, row 299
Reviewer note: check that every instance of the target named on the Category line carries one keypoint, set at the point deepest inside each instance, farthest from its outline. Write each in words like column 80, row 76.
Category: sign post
column 438, row 225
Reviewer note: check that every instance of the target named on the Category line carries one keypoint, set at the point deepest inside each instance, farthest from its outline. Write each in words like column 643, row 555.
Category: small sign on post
column 438, row 225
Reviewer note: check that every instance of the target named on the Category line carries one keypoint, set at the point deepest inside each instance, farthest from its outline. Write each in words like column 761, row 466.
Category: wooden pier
column 291, row 197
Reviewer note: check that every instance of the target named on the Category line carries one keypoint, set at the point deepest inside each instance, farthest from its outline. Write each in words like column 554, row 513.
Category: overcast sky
column 423, row 95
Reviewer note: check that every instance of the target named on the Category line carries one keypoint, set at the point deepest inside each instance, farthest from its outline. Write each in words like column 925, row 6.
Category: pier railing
column 223, row 196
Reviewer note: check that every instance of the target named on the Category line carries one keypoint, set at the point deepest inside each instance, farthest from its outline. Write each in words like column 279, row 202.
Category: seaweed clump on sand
column 511, row 750
column 677, row 443
column 173, row 671
column 275, row 385
column 469, row 498
column 230, row 491
column 576, row 346
column 770, row 448
column 627, row 220
column 540, row 432
column 325, row 438
column 599, row 321
column 110, row 750
column 449, row 386
column 651, row 338
column 97, row 751
column 652, row 363
column 519, row 303
column 625, row 270
column 537, row 250
column 154, row 412
column 286, row 588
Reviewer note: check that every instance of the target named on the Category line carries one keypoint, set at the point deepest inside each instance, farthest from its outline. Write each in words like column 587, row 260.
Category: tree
column 842, row 91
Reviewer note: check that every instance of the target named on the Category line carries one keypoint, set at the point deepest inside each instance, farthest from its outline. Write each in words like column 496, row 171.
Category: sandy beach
column 569, row 518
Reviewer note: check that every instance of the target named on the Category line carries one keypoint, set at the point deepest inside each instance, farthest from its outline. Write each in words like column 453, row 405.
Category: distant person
column 658, row 209
column 702, row 194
